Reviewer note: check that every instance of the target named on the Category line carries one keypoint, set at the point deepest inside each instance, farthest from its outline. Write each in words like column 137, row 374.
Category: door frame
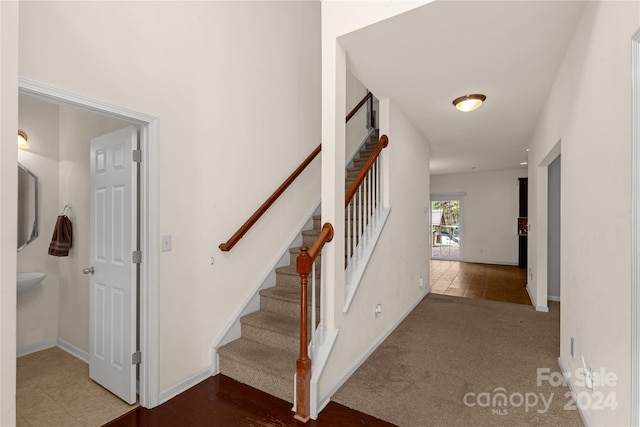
column 444, row 197
column 539, row 293
column 148, row 214
column 635, row 229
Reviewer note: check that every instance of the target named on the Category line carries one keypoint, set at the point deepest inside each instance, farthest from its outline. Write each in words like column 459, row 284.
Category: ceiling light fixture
column 22, row 140
column 469, row 102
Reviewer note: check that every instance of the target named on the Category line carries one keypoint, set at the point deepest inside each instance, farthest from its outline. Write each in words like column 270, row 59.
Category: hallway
column 480, row 281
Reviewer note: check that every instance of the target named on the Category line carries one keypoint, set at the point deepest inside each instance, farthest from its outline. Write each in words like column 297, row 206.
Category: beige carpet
column 453, row 350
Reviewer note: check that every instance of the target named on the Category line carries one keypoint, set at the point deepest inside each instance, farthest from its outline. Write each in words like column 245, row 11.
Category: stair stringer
column 251, row 304
column 355, row 270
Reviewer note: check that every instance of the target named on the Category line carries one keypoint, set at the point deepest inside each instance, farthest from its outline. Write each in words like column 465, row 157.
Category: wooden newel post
column 303, row 364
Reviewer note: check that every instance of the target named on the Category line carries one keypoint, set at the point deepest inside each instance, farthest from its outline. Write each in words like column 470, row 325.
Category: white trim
column 324, row 401
column 542, row 308
column 184, row 385
column 540, row 270
column 33, row 348
column 149, row 315
column 445, row 197
column 476, row 261
column 73, row 350
column 574, row 395
column 635, row 229
column 319, row 362
column 54, row 342
column 553, row 298
column 352, row 275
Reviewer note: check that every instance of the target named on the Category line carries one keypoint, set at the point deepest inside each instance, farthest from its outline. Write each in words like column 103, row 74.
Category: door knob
column 88, row 270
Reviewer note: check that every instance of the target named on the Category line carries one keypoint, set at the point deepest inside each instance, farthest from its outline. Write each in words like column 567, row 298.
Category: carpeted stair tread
column 273, row 322
column 278, row 360
column 313, row 232
column 286, row 300
column 266, row 368
column 290, row 270
column 265, row 355
column 286, row 294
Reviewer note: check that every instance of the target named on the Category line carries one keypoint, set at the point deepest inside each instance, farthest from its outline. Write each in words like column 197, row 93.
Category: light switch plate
column 165, row 243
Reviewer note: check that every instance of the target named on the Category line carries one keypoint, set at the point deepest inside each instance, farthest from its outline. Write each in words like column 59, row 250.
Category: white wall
column 589, row 111
column 8, row 217
column 339, row 18
column 489, row 220
column 236, row 87
column 404, row 240
column 37, row 312
column 356, row 128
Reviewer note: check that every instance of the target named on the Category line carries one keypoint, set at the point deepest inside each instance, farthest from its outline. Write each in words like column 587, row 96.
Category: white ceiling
column 508, row 50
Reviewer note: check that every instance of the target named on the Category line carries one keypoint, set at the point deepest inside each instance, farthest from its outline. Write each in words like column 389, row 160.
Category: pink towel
column 62, row 238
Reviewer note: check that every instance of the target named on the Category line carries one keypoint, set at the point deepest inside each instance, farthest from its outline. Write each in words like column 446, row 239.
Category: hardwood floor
column 222, row 401
column 481, row 281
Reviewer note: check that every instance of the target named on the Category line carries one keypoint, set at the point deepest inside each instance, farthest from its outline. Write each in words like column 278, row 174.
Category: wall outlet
column 378, row 310
column 588, row 376
column 421, row 281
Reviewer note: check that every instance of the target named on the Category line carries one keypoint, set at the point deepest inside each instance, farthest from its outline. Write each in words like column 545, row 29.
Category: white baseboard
column 184, row 385
column 73, row 350
column 489, row 262
column 574, row 394
column 542, row 308
column 347, row 374
column 54, row 342
column 553, row 298
column 28, row 349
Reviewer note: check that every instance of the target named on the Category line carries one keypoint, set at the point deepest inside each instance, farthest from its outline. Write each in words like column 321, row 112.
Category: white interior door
column 113, row 282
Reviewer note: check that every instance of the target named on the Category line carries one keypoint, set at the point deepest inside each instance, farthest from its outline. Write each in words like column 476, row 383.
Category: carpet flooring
column 465, row 362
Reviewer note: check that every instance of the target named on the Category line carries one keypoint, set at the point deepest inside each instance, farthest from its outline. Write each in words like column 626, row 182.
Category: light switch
column 165, row 243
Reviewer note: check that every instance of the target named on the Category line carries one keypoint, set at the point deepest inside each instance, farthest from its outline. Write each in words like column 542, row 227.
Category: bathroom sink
column 27, row 281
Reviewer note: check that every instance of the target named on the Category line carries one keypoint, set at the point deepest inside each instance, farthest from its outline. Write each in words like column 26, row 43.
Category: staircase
column 265, row 355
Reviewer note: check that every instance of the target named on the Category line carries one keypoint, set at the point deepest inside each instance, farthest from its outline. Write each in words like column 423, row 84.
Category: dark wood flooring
column 222, row 401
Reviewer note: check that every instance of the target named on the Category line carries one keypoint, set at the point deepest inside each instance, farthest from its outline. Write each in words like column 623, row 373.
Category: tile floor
column 54, row 389
column 481, row 281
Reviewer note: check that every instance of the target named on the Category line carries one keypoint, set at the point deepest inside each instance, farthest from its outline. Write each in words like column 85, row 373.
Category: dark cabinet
column 522, row 213
column 524, row 204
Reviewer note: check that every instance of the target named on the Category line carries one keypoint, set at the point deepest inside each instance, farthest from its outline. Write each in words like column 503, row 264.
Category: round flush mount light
column 22, row 140
column 468, row 103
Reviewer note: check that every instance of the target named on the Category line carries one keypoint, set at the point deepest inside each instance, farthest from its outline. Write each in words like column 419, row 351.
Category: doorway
column 446, row 234
column 148, row 222
column 553, row 230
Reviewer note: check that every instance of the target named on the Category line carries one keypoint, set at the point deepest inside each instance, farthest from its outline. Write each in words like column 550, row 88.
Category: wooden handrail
column 304, row 264
column 262, row 209
column 360, row 104
column 384, row 141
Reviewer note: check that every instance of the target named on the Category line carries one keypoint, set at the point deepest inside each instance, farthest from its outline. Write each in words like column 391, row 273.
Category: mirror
column 27, row 207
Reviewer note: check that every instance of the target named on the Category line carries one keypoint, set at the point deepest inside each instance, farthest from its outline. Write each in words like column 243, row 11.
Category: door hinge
column 136, row 358
column 137, row 156
column 136, row 257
